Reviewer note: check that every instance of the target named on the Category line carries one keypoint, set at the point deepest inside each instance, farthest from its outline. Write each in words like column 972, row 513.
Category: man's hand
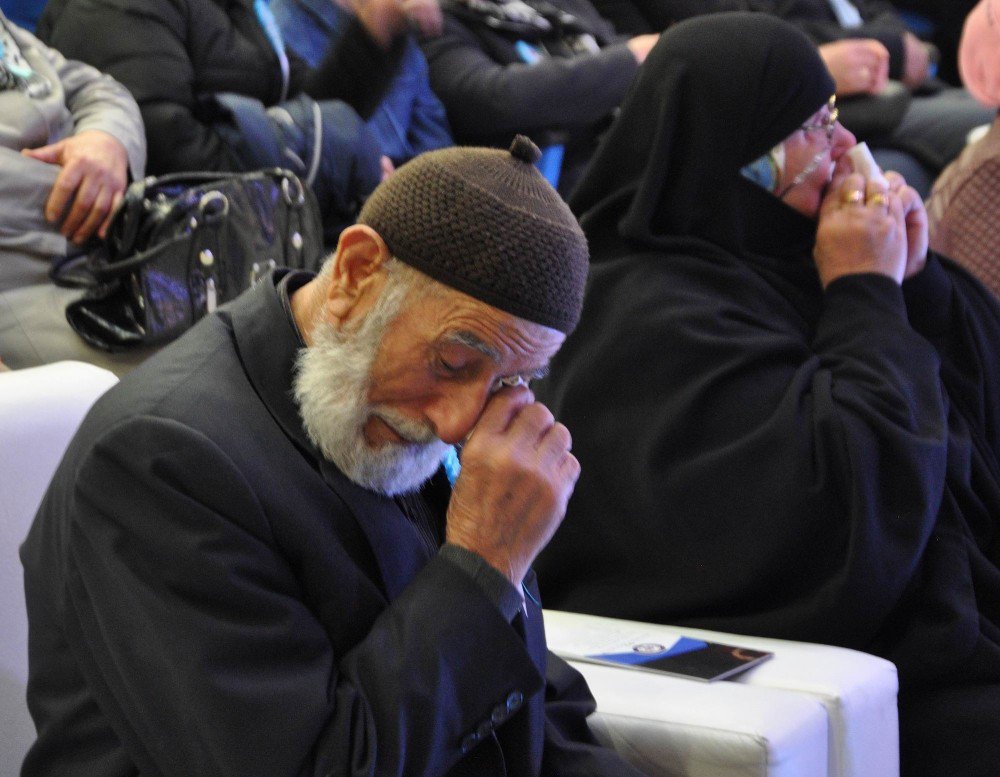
column 90, row 184
column 915, row 218
column 517, row 476
column 858, row 65
column 916, row 61
column 425, row 15
column 385, row 20
column 861, row 230
column 388, row 168
column 641, row 45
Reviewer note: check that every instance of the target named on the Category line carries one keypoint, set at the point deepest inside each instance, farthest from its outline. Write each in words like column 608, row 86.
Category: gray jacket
column 79, row 98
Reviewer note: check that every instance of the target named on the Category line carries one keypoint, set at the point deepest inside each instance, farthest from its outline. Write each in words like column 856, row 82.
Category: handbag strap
column 105, row 271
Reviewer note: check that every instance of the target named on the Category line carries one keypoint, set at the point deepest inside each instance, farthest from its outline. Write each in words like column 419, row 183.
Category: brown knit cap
column 486, row 222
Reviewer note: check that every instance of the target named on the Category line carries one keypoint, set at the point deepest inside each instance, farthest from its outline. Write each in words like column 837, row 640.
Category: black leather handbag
column 184, row 243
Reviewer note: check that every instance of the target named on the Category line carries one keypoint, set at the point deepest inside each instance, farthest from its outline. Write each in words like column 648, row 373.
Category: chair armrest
column 40, row 410
column 662, row 717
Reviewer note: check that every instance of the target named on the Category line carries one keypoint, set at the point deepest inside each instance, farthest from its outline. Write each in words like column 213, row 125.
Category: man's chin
column 397, row 468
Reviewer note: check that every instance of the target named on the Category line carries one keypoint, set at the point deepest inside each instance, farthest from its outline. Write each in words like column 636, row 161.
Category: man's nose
column 455, row 413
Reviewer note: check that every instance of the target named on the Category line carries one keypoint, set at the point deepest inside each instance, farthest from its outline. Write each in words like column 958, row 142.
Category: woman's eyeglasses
column 828, row 123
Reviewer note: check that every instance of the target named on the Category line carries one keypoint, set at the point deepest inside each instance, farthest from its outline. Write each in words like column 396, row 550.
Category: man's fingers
column 97, row 215
column 116, row 200
column 62, row 192
column 501, row 409
column 83, row 202
column 49, row 154
column 555, row 442
column 530, row 423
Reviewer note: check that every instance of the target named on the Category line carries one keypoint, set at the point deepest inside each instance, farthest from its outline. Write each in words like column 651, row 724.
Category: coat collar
column 268, row 344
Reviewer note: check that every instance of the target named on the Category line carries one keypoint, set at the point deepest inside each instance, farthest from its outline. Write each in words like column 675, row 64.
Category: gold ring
column 853, row 197
column 878, row 199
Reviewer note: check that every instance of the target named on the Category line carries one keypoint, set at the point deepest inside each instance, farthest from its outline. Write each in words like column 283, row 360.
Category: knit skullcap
column 487, row 223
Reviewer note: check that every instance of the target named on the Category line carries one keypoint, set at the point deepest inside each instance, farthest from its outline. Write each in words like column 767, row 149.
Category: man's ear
column 358, row 274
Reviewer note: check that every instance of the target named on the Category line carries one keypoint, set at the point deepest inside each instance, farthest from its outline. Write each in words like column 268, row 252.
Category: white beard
column 331, row 386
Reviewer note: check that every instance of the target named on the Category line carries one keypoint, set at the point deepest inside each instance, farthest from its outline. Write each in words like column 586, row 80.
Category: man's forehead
column 487, row 328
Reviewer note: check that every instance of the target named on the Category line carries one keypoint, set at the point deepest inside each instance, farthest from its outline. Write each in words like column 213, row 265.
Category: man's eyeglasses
column 829, row 123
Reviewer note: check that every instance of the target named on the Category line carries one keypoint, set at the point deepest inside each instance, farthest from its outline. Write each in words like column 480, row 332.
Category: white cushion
column 40, row 410
column 768, row 713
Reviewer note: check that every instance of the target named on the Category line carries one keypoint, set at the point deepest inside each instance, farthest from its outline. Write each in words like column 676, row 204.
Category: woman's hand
column 862, row 229
column 915, row 217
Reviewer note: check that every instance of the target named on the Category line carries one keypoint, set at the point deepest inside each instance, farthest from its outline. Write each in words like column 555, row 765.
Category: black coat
column 760, row 455
column 207, row 596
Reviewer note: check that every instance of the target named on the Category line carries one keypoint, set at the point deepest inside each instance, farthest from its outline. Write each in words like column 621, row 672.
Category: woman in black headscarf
column 787, row 412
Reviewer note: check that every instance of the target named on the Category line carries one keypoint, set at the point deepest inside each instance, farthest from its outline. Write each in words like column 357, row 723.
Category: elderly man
column 69, row 138
column 251, row 560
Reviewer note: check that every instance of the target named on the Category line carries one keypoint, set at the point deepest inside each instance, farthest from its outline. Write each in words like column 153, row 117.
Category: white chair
column 810, row 711
column 40, row 410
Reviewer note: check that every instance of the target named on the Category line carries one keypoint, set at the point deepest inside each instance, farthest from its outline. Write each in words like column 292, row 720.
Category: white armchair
column 40, row 409
column 810, row 711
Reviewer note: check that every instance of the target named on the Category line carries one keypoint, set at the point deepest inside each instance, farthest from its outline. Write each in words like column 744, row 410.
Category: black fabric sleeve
column 146, row 46
column 190, row 626
column 961, row 319
column 570, row 747
column 355, row 70
column 497, row 588
column 486, row 98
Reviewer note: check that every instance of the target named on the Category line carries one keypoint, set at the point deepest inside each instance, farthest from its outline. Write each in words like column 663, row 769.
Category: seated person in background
column 251, row 561
column 917, row 124
column 555, row 70
column 914, row 123
column 787, row 410
column 410, row 119
column 219, row 91
column 941, row 22
column 964, row 208
column 70, row 137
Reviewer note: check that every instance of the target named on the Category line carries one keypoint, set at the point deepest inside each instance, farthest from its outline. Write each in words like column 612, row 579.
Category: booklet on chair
column 655, row 652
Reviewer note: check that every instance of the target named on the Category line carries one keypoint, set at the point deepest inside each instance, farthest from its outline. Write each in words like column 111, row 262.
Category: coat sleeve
column 961, row 319
column 355, row 70
column 192, row 628
column 486, row 97
column 96, row 102
column 429, row 127
column 570, row 747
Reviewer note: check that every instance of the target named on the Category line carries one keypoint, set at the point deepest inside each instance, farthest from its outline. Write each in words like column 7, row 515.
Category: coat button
column 469, row 742
column 484, row 730
column 499, row 715
column 514, row 700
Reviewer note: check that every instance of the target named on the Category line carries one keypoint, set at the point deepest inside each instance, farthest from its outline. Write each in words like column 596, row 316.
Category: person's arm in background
column 880, row 21
column 145, row 46
column 107, row 145
column 359, row 67
column 485, row 97
column 429, row 127
column 858, row 66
